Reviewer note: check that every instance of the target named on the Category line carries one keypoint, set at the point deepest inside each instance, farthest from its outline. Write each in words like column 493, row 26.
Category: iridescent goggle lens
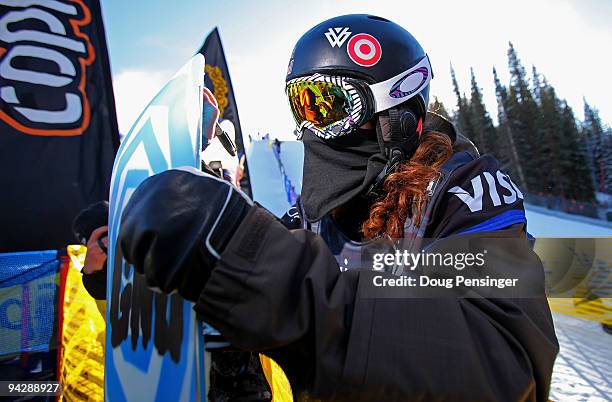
column 320, row 103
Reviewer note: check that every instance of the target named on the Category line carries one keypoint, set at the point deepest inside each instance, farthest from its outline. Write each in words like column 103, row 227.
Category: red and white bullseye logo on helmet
column 364, row 50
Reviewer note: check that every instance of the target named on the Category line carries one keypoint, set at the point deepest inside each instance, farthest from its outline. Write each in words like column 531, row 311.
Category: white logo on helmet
column 410, row 83
column 364, row 50
column 337, row 36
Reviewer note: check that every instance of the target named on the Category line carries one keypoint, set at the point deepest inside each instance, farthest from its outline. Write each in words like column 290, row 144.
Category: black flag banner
column 58, row 127
column 217, row 79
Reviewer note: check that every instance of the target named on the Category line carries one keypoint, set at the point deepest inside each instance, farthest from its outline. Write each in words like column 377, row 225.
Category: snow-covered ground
column 545, row 223
column 266, row 178
column 583, row 370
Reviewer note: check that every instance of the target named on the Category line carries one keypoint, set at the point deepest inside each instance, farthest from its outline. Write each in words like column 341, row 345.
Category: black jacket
column 95, row 283
column 281, row 292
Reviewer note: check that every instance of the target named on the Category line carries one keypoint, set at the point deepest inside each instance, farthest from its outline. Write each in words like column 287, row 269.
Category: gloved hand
column 177, row 224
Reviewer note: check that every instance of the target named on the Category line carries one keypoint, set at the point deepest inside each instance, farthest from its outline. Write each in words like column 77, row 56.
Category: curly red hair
column 406, row 189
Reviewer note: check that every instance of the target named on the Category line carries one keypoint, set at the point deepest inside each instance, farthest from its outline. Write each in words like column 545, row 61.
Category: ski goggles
column 331, row 106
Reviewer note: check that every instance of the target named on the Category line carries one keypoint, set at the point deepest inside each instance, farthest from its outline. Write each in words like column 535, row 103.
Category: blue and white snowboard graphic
column 153, row 348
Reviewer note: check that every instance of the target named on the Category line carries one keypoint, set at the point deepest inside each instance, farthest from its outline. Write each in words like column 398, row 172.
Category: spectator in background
column 91, row 230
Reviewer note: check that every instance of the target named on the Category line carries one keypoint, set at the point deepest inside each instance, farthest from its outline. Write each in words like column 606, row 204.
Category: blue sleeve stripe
column 500, row 221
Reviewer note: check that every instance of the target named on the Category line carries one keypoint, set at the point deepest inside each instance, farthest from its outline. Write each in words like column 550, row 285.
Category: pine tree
column 438, row 107
column 523, row 114
column 507, row 154
column 462, row 116
column 549, row 127
column 536, row 84
column 575, row 169
column 485, row 135
column 597, row 148
column 562, row 151
column 607, row 159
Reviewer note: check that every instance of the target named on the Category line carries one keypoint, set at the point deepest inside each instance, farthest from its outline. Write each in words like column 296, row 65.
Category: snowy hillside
column 545, row 223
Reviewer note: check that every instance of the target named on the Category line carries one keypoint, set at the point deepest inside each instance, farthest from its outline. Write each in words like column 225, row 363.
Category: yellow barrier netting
column 599, row 310
column 578, row 273
column 83, row 332
column 279, row 384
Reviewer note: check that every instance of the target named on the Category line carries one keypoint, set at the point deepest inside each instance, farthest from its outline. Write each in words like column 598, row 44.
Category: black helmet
column 363, row 55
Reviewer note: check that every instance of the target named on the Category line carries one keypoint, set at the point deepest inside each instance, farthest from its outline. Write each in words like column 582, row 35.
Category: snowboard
column 154, row 350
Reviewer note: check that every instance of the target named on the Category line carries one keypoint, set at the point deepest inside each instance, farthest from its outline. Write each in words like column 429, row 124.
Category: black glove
column 176, row 225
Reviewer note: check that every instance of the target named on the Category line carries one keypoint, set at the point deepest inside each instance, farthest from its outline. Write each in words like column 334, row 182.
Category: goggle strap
column 389, row 93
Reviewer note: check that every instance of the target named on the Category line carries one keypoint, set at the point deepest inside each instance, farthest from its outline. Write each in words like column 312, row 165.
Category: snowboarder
column 376, row 166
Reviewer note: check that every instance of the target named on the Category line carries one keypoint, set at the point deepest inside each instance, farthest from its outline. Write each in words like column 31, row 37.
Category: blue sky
column 568, row 40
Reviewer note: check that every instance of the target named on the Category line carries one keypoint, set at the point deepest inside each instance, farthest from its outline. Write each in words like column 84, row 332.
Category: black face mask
column 337, row 170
